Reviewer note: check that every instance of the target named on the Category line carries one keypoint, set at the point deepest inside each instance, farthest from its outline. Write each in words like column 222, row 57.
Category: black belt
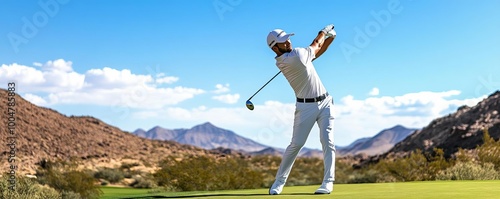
column 316, row 99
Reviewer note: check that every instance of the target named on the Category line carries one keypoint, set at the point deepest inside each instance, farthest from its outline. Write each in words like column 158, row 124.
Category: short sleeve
column 306, row 55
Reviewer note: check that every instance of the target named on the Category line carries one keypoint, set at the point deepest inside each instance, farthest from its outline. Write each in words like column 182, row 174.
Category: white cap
column 277, row 36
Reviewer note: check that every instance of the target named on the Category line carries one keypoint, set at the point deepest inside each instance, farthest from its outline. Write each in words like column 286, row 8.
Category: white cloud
column 57, row 65
column 162, row 79
column 21, row 74
column 221, row 88
column 146, row 114
column 54, row 76
column 143, row 97
column 38, row 64
column 228, row 98
column 35, row 99
column 55, row 82
column 374, row 92
column 112, row 78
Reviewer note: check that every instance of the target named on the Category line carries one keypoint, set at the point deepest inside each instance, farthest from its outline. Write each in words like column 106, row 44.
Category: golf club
column 249, row 103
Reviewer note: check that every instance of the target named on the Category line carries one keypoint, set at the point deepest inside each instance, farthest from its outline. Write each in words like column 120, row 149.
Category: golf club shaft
column 264, row 85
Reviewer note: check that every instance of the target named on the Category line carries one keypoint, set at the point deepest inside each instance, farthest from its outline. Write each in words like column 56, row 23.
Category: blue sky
column 176, row 64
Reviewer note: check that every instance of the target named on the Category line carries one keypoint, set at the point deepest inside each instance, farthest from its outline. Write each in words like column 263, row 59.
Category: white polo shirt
column 298, row 69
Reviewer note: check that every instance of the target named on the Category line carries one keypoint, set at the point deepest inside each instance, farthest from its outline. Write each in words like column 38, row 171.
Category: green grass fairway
column 408, row 190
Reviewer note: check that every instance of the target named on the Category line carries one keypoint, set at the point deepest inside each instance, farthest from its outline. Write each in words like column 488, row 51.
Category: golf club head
column 249, row 105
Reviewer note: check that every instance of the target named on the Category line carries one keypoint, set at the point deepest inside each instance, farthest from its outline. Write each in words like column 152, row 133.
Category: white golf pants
column 306, row 114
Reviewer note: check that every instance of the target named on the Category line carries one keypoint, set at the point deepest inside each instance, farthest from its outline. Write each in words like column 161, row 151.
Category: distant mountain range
column 206, row 136
column 378, row 144
column 209, row 136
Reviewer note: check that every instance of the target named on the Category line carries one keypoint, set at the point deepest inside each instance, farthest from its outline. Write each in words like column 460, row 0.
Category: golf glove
column 327, row 29
column 331, row 33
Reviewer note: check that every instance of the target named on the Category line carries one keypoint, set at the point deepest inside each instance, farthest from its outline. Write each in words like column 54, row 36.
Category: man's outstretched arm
column 324, row 47
column 321, row 42
column 318, row 42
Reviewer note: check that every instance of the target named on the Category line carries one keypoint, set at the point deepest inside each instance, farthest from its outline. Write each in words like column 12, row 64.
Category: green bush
column 143, row 182
column 110, row 175
column 306, row 171
column 343, row 170
column 411, row 168
column 463, row 155
column 204, row 173
column 436, row 164
column 415, row 167
column 267, row 166
column 63, row 177
column 128, row 166
column 489, row 151
column 26, row 188
column 469, row 171
column 368, row 176
column 71, row 195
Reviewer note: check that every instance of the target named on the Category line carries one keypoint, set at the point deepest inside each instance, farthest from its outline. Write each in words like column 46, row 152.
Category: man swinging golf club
column 314, row 104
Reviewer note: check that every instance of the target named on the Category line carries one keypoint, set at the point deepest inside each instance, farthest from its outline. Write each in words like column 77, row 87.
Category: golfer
column 314, row 104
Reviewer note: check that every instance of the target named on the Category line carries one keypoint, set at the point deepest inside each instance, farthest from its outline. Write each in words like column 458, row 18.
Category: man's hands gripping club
column 329, row 31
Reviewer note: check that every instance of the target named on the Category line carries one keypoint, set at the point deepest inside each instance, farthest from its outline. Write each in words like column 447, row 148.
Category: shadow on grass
column 215, row 195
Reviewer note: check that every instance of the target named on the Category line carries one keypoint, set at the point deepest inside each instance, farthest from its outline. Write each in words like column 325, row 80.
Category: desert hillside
column 462, row 129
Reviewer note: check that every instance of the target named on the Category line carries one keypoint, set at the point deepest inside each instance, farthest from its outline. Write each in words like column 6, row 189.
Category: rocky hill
column 42, row 133
column 378, row 144
column 462, row 129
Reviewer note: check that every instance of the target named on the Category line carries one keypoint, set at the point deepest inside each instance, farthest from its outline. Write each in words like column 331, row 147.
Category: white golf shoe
column 276, row 188
column 325, row 188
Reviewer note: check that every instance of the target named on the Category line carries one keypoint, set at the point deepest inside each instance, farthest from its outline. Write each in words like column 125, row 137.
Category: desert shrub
column 415, row 167
column 143, row 182
column 146, row 162
column 343, row 170
column 489, row 151
column 126, row 169
column 464, row 156
column 128, row 166
column 411, row 168
column 437, row 163
column 109, row 174
column 469, row 171
column 104, row 182
column 82, row 183
column 369, row 176
column 306, row 171
column 70, row 195
column 204, row 173
column 63, row 177
column 26, row 188
column 267, row 166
